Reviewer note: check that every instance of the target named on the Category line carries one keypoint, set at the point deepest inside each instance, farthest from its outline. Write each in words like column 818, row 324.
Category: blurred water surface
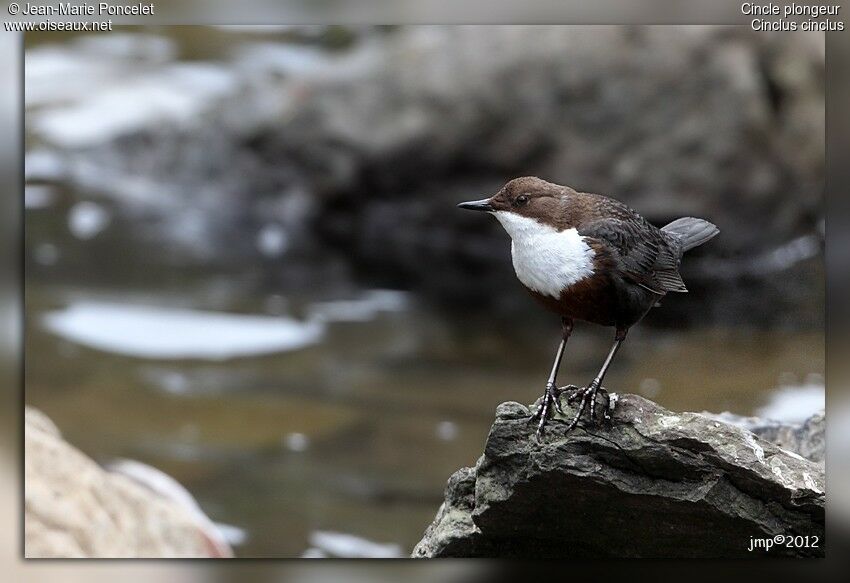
column 297, row 398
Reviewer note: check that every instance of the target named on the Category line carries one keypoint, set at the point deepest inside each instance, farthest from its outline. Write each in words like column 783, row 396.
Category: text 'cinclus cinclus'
column 587, row 257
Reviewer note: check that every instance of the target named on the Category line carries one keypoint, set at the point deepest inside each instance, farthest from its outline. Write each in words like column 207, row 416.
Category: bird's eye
column 522, row 200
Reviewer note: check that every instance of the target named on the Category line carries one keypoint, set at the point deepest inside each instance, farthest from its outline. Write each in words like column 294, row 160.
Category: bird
column 588, row 257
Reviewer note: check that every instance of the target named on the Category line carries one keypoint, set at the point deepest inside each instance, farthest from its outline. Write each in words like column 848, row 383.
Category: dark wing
column 644, row 255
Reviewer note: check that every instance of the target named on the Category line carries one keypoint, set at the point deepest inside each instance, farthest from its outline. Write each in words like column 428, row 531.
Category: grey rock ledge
column 651, row 484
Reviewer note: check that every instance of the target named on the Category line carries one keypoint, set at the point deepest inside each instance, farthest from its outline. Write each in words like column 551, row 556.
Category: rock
column 74, row 508
column 806, row 439
column 453, row 532
column 652, row 484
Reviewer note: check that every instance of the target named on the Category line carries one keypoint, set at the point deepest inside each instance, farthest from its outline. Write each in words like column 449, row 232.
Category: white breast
column 546, row 260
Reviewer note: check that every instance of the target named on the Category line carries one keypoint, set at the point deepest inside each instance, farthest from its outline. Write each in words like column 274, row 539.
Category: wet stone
column 650, row 484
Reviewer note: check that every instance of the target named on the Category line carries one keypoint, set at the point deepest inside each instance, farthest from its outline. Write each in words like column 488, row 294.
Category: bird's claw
column 585, row 395
column 549, row 403
column 557, row 401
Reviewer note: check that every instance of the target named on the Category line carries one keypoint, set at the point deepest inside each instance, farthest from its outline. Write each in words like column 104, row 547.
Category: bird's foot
column 549, row 404
column 589, row 395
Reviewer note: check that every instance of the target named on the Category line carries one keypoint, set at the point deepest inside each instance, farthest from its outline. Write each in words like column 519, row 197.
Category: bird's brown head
column 529, row 197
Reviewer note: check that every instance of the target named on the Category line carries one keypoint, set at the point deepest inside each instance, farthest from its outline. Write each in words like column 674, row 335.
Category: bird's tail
column 691, row 232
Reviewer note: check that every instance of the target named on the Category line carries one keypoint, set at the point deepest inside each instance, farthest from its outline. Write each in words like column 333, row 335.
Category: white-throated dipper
column 588, row 257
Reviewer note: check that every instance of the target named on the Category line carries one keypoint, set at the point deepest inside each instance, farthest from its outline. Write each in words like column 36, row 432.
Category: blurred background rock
column 244, row 265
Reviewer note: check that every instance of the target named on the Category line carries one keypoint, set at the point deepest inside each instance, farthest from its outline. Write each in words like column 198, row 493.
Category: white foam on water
column 283, row 59
column 39, row 196
column 167, row 333
column 361, row 309
column 86, row 219
column 131, row 46
column 794, row 404
column 296, row 441
column 232, row 534
column 44, row 165
column 80, row 74
column 177, row 94
column 272, row 240
column 344, row 545
column 59, row 75
column 260, row 29
column 446, row 430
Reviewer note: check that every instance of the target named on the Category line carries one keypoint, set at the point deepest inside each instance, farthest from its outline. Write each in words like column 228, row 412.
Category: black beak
column 477, row 205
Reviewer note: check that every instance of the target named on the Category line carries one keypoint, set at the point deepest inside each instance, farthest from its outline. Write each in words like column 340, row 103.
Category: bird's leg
column 592, row 389
column 551, row 396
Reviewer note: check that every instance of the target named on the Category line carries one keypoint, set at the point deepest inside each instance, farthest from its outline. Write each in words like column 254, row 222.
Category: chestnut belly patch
column 592, row 299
